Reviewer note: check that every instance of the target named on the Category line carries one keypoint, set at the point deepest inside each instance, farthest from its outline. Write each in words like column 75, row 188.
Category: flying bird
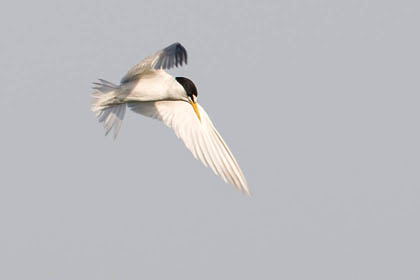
column 147, row 89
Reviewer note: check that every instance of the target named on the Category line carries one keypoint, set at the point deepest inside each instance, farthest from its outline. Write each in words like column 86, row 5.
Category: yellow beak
column 194, row 104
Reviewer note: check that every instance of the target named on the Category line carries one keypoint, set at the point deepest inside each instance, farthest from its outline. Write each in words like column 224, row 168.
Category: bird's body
column 153, row 86
column 150, row 91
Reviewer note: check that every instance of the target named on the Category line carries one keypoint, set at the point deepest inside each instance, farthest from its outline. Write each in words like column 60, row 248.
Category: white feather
column 112, row 115
column 200, row 137
column 173, row 55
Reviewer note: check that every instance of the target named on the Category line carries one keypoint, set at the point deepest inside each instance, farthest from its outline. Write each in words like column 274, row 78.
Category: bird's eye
column 194, row 97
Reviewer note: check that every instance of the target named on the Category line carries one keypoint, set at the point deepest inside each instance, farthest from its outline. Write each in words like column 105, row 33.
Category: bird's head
column 191, row 92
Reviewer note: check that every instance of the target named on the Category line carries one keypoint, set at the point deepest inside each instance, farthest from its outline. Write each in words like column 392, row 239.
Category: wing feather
column 200, row 137
column 173, row 55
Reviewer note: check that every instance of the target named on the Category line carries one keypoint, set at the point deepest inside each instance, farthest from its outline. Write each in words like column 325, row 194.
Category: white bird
column 150, row 91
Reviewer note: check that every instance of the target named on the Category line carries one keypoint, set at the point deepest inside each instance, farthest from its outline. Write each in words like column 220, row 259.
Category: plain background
column 318, row 100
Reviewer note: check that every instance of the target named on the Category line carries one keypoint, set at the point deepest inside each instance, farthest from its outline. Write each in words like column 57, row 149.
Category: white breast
column 155, row 85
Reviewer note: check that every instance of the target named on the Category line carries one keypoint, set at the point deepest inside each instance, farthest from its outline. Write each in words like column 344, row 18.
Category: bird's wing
column 173, row 55
column 200, row 137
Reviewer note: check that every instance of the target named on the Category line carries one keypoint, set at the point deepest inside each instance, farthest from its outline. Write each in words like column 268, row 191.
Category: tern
column 147, row 89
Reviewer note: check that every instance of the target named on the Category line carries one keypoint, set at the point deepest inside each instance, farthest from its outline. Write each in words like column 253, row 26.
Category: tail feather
column 108, row 112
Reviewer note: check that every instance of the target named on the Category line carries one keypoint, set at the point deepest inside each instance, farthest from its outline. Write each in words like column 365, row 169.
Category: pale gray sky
column 318, row 100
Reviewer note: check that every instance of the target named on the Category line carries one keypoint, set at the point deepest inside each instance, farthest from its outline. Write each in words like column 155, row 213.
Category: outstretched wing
column 200, row 137
column 173, row 55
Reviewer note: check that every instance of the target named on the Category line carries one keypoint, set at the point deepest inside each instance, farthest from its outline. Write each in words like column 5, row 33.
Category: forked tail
column 108, row 112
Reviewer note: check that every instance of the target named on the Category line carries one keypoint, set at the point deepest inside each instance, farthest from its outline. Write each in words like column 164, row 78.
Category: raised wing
column 200, row 137
column 173, row 55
